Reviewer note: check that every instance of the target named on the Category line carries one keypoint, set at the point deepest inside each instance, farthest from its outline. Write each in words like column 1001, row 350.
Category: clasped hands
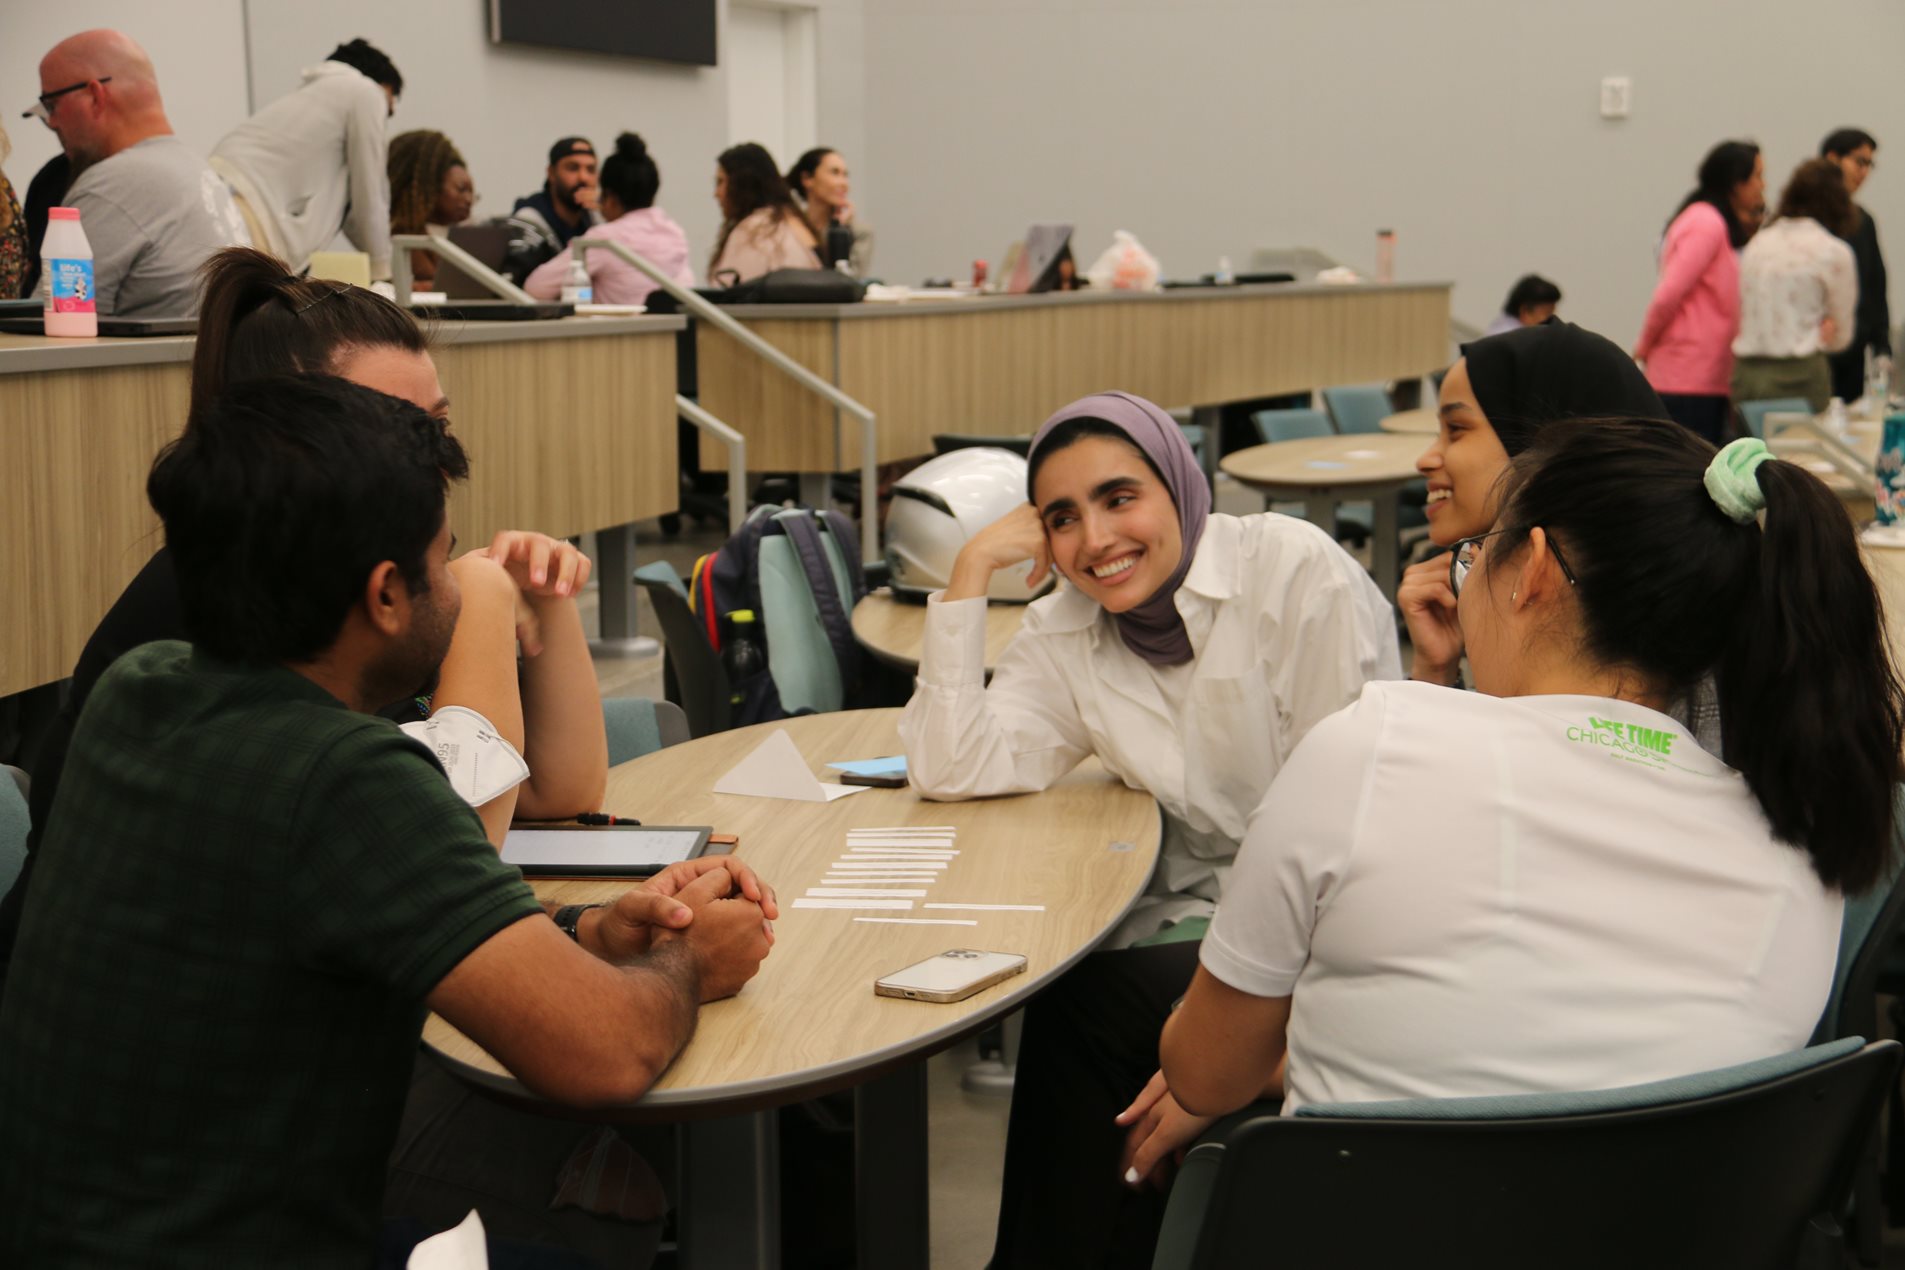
column 545, row 570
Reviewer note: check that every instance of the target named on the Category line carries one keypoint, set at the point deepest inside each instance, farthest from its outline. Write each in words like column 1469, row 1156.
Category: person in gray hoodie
column 313, row 162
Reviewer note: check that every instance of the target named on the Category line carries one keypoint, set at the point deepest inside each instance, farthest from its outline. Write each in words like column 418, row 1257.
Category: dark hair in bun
column 630, row 175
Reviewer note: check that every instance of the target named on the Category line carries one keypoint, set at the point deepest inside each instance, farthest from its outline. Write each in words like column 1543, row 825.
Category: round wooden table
column 810, row 1022
column 1326, row 471
column 894, row 630
column 1413, row 423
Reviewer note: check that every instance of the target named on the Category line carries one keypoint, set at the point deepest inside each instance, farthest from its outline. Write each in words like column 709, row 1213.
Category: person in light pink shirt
column 629, row 183
column 1686, row 341
column 762, row 228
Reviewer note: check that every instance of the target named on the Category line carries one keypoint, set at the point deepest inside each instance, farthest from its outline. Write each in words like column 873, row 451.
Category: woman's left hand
column 1160, row 1130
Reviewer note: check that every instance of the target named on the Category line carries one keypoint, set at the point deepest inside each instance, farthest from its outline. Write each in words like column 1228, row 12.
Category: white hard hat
column 937, row 508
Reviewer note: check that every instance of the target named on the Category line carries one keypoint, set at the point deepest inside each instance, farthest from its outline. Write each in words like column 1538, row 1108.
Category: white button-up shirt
column 1793, row 276
column 1286, row 629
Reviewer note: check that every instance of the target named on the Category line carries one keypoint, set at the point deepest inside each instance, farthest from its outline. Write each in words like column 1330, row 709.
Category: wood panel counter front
column 810, row 1022
column 1000, row 364
column 570, row 427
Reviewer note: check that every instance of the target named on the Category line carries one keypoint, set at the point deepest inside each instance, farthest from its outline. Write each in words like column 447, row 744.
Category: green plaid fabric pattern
column 213, row 1009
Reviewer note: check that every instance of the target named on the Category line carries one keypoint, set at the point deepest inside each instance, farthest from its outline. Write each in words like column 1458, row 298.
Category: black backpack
column 802, row 615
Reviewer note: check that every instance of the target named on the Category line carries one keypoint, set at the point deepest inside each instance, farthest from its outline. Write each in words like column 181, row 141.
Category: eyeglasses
column 1462, row 559
column 42, row 109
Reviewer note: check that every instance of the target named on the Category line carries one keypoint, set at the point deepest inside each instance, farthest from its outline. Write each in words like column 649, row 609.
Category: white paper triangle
column 462, row 1247
column 775, row 769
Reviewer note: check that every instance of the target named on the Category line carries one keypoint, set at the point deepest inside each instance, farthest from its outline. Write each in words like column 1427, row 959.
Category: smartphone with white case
column 954, row 975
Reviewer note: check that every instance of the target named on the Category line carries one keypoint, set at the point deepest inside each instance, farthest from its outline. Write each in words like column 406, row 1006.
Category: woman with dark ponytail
column 1546, row 885
column 630, row 181
column 256, row 319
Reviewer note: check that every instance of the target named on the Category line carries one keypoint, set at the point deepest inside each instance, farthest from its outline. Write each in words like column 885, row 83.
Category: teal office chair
column 1755, row 412
column 1358, row 407
column 1748, row 1167
column 638, row 726
column 1299, row 423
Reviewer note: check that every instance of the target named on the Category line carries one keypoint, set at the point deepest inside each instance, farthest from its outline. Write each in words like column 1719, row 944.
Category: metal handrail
column 737, row 456
column 401, row 281
column 711, row 313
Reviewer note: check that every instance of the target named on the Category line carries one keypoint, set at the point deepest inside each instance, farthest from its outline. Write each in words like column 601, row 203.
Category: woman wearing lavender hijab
column 1190, row 652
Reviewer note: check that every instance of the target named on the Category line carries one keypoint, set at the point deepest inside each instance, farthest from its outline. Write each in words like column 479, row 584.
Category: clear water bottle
column 576, row 288
column 68, row 289
column 742, row 654
column 1225, row 275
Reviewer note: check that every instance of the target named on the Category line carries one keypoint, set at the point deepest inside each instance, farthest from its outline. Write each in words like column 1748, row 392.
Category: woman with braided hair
column 430, row 189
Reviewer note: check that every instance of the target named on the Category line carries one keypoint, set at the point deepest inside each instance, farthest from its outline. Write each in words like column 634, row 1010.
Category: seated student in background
column 312, row 162
column 255, row 886
column 430, row 190
column 761, row 229
column 630, row 181
column 1531, row 301
column 1799, row 291
column 1546, row 885
column 151, row 208
column 1189, row 652
column 258, row 320
column 820, row 185
column 565, row 205
column 1497, row 399
column 12, row 231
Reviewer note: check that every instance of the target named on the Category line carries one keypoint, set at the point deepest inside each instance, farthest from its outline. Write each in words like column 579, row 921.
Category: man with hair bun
column 151, row 208
column 312, row 162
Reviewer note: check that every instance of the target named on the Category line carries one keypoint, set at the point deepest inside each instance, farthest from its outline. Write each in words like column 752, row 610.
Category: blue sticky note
column 892, row 765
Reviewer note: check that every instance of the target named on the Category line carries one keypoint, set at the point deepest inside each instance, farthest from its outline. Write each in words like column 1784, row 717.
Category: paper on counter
column 775, row 769
column 921, row 921
column 887, row 866
column 846, row 892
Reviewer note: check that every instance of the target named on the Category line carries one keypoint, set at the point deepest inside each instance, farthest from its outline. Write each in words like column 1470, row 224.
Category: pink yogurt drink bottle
column 67, row 263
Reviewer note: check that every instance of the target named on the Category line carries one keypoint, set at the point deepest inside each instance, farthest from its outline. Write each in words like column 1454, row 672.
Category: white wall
column 198, row 47
column 1213, row 127
column 502, row 104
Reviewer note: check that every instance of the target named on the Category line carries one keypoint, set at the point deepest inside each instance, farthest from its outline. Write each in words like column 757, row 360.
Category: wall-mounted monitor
column 666, row 30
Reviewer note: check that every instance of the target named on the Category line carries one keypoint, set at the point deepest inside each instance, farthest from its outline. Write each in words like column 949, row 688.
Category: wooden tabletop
column 809, row 1022
column 894, row 630
column 1413, row 423
column 1360, row 460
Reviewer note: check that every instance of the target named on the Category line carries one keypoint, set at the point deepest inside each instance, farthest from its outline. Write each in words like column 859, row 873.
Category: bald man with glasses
column 151, row 208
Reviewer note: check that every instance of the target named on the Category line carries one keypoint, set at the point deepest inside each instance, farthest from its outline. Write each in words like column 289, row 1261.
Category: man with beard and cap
column 256, row 887
column 1190, row 652
column 565, row 205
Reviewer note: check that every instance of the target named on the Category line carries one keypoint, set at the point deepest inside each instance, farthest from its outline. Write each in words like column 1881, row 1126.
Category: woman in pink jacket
column 630, row 181
column 1686, row 342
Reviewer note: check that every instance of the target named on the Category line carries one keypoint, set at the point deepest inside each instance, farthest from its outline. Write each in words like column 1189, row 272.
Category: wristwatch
column 569, row 916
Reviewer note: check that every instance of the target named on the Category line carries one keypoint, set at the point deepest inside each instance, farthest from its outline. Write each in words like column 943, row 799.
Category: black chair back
column 693, row 676
column 1749, row 1179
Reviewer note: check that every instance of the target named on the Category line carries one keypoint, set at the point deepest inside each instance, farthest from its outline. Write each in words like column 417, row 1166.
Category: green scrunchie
column 1733, row 478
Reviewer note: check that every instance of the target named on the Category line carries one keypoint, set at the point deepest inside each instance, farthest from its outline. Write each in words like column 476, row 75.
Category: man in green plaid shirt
column 254, row 887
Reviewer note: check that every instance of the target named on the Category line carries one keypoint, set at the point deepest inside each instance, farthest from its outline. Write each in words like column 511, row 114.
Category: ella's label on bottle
column 71, row 284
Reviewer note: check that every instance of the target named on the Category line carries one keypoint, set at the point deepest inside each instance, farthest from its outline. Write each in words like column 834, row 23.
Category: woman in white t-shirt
column 1189, row 652
column 1546, row 884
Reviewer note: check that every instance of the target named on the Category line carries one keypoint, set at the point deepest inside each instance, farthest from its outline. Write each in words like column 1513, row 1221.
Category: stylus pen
column 603, row 818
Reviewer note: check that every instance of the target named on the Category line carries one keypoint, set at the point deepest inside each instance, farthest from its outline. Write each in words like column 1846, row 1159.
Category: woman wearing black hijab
column 1497, row 396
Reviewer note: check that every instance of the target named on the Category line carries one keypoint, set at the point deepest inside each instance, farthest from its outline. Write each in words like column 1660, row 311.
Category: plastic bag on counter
column 1125, row 266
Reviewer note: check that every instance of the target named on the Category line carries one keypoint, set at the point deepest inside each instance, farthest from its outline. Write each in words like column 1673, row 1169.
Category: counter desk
column 1000, row 364
column 569, row 424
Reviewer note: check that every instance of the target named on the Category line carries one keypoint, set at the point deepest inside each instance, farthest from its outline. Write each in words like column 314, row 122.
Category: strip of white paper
column 854, row 903
column 921, row 921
